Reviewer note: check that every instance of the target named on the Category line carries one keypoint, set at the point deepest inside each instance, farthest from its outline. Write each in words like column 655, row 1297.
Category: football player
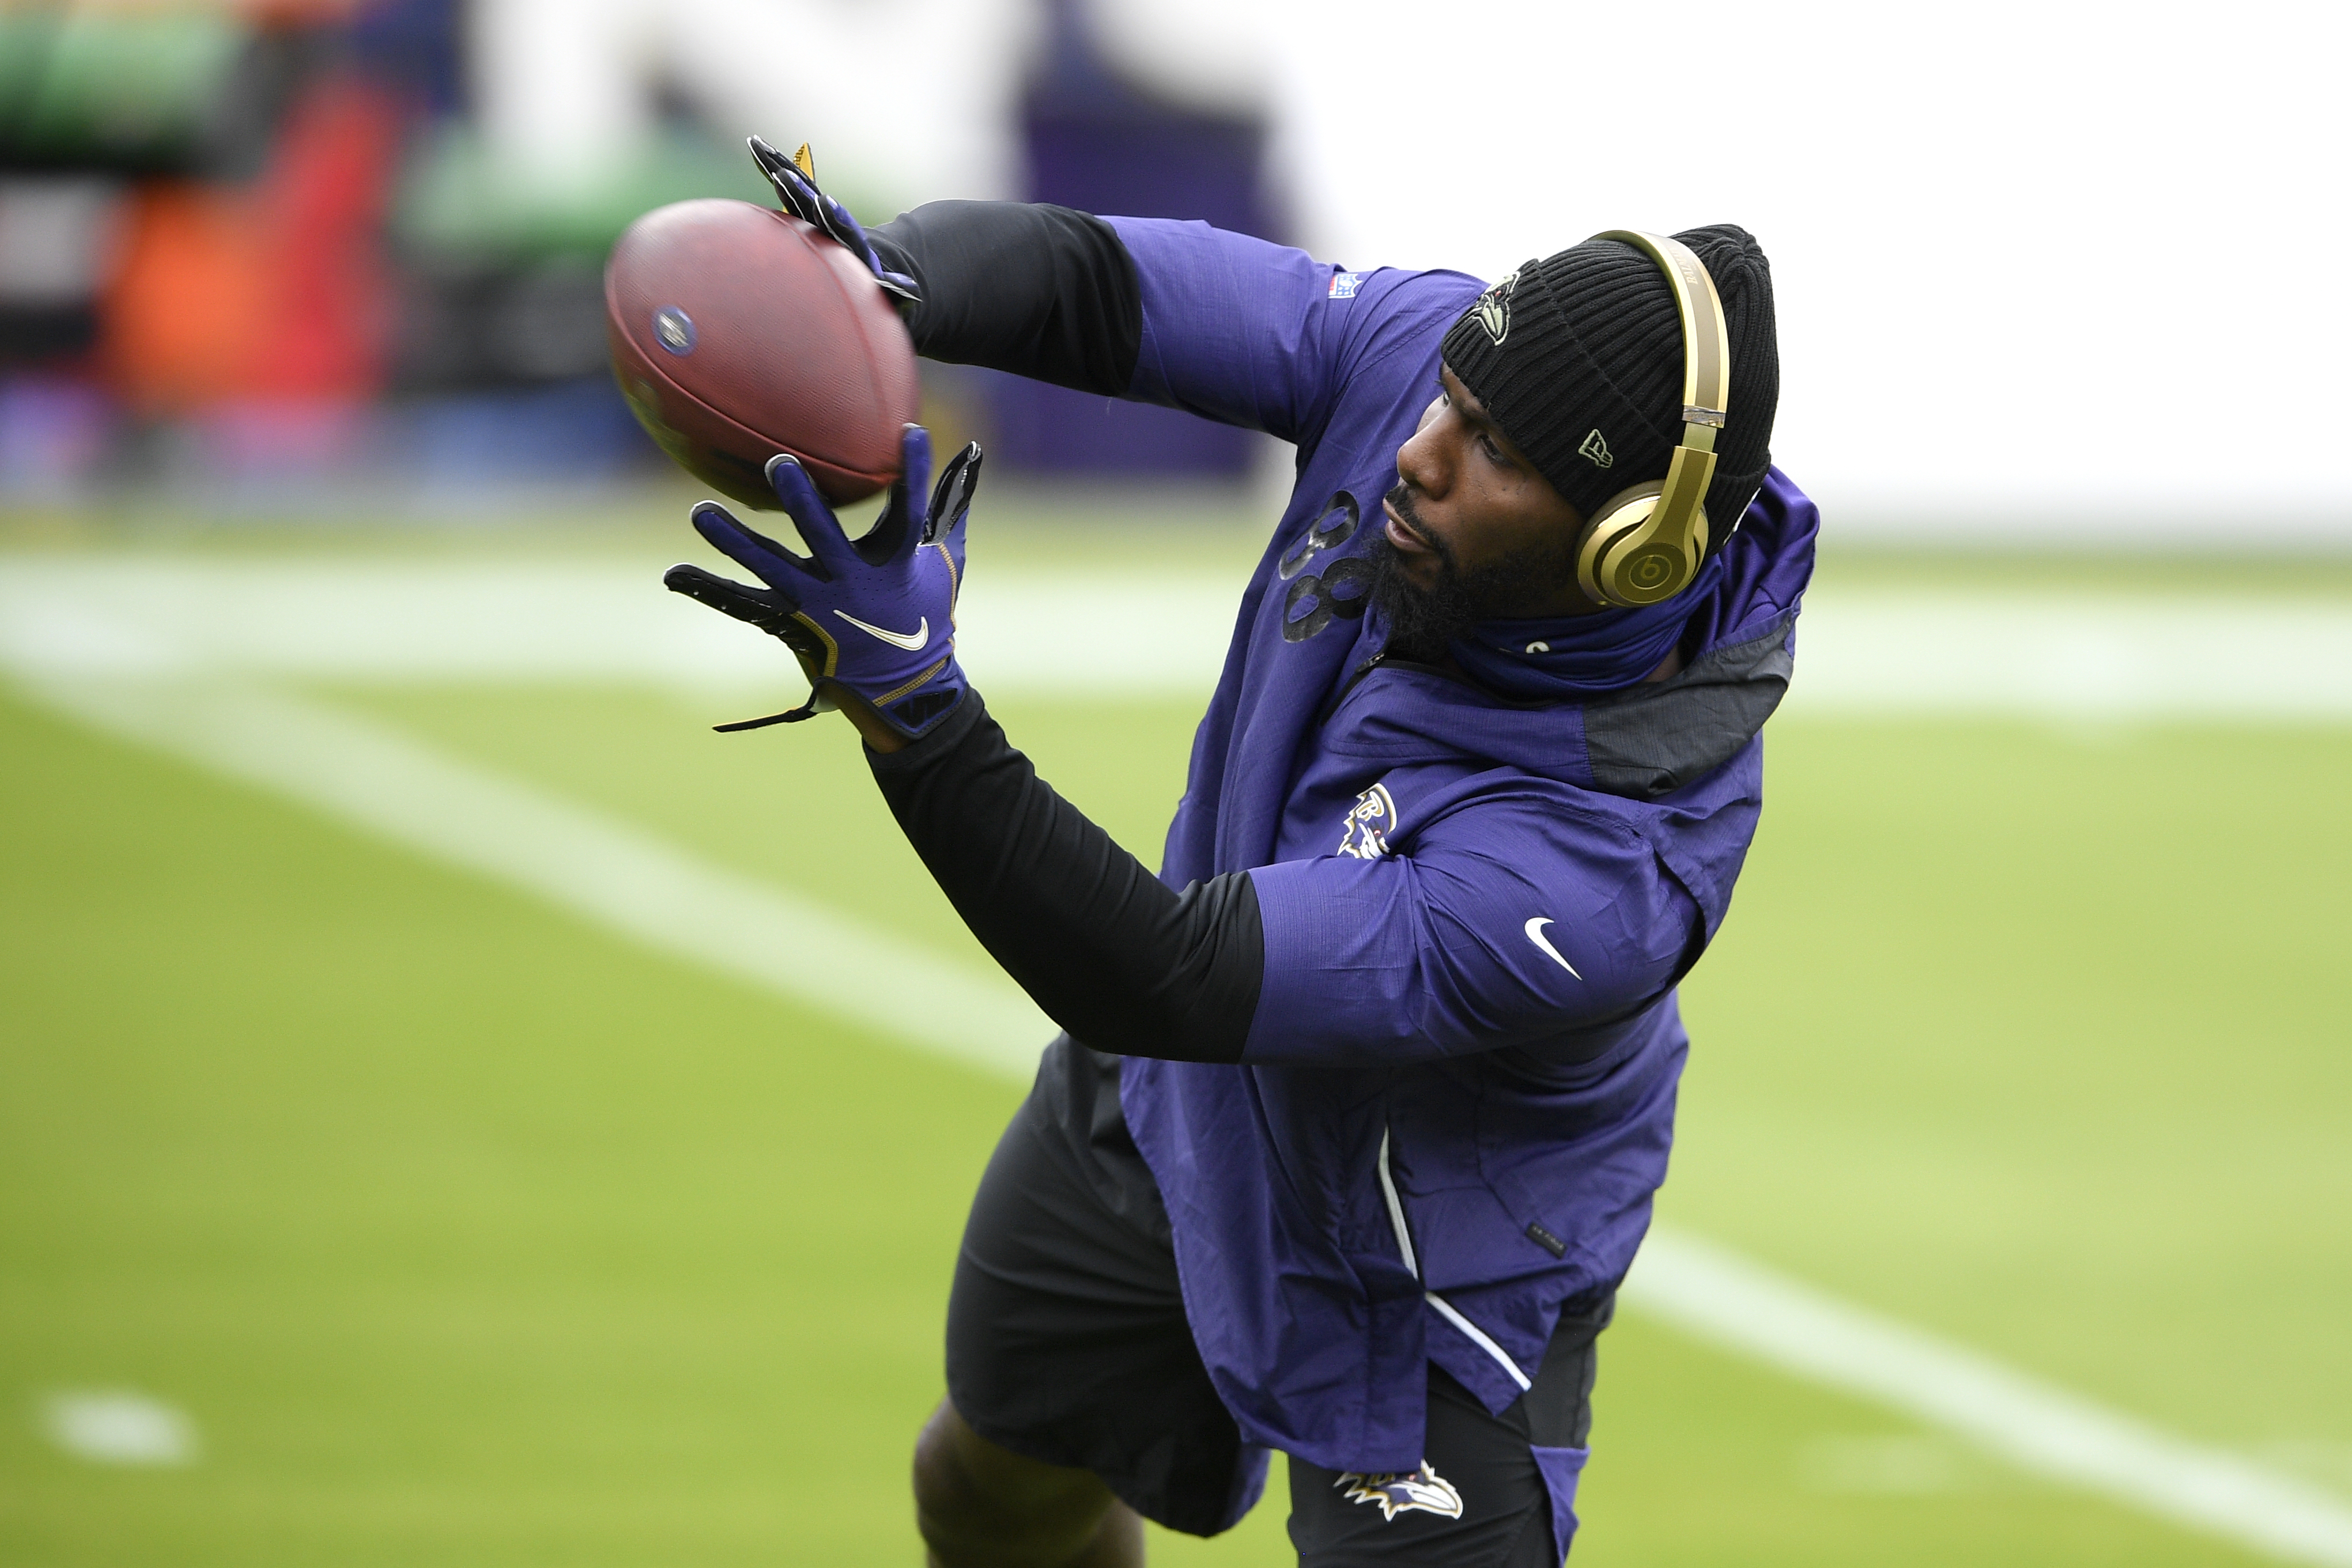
column 1363, row 1097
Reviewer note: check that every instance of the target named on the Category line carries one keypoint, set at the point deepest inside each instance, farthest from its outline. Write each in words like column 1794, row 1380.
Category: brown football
column 739, row 333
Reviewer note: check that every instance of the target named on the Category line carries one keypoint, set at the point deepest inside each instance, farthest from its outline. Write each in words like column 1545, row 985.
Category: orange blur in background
column 278, row 290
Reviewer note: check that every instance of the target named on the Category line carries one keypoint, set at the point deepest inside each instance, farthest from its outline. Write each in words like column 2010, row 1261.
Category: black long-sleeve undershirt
column 1042, row 291
column 1111, row 954
column 1108, row 951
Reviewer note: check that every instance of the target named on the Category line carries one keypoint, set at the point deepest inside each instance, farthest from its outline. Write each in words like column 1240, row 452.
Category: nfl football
column 737, row 333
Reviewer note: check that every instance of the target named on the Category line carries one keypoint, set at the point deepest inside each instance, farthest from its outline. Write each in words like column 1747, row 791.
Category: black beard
column 1422, row 620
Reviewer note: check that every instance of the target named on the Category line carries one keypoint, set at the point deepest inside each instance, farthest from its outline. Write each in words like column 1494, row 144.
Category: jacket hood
column 1642, row 742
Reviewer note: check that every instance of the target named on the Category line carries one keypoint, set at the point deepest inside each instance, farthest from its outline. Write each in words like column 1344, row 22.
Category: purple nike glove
column 874, row 615
column 796, row 187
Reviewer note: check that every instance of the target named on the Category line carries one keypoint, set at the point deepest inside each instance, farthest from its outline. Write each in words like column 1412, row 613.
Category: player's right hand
column 796, row 188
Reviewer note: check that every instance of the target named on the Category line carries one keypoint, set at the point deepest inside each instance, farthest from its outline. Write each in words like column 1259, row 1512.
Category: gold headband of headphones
column 1646, row 544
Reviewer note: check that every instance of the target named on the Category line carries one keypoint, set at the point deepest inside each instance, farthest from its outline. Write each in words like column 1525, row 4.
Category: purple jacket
column 1458, row 1092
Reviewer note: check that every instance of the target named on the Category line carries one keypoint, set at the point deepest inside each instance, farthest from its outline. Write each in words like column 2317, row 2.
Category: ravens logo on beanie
column 1579, row 358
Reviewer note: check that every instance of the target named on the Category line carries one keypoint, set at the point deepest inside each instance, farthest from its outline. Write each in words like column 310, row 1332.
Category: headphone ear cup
column 1627, row 560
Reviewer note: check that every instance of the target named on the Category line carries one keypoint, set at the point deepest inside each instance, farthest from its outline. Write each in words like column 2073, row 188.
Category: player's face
column 1471, row 513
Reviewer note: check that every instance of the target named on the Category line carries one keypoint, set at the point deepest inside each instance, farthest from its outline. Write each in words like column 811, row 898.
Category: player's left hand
column 874, row 617
column 796, row 187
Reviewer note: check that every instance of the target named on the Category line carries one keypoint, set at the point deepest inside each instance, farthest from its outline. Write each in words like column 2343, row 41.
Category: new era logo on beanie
column 1588, row 341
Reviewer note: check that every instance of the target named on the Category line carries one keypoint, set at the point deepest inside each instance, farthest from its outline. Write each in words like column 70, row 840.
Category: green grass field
column 467, row 1233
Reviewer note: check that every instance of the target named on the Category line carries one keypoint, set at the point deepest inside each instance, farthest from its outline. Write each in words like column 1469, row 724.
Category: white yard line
column 2101, row 658
column 631, row 883
column 2065, row 656
column 595, row 622
column 579, row 860
column 1716, row 1295
column 116, row 1426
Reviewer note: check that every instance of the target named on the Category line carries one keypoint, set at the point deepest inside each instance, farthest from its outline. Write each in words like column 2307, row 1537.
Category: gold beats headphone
column 1645, row 544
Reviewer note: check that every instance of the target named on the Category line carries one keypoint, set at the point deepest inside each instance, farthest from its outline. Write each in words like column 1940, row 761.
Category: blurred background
column 2044, row 273
column 455, row 1107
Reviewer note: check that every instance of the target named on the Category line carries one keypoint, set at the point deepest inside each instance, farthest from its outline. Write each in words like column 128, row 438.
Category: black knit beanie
column 1580, row 359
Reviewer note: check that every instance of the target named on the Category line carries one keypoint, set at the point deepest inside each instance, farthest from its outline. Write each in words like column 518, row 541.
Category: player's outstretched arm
column 1512, row 925
column 1037, row 290
column 1110, row 952
column 1107, row 950
column 1331, row 959
column 1223, row 324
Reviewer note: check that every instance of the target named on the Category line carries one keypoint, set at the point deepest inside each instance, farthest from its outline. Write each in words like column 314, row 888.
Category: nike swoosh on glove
column 796, row 188
column 873, row 615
